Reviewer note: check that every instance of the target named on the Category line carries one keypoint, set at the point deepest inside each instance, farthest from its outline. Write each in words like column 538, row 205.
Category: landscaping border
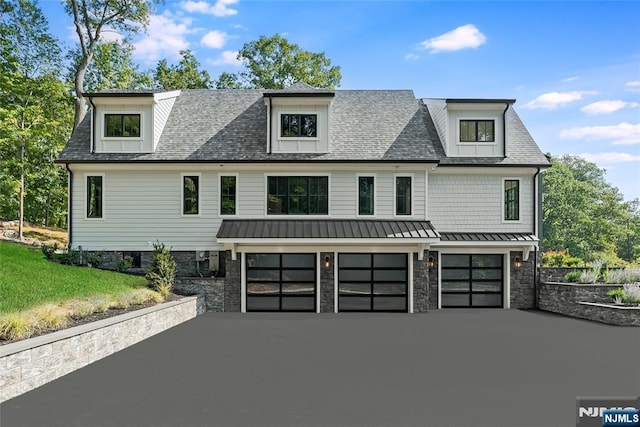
column 28, row 364
column 586, row 301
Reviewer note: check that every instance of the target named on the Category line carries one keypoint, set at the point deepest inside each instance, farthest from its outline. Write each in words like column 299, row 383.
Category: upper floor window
column 122, row 125
column 511, row 199
column 190, row 194
column 403, row 195
column 228, row 190
column 297, row 195
column 94, row 196
column 477, row 131
column 299, row 125
column 366, row 195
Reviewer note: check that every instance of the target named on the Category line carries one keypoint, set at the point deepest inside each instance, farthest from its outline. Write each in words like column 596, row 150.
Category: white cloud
column 635, row 83
column 411, row 57
column 219, row 8
column 214, row 39
column 608, row 158
column 607, row 107
column 552, row 100
column 228, row 57
column 165, row 38
column 464, row 37
column 621, row 134
column 570, row 79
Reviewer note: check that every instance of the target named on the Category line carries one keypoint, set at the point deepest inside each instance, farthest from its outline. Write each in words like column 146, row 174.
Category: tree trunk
column 80, row 101
column 21, row 210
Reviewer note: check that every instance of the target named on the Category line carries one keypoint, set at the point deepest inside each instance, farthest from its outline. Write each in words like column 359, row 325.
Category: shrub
column 572, row 276
column 560, row 259
column 631, row 292
column 49, row 250
column 16, row 327
column 617, row 294
column 162, row 271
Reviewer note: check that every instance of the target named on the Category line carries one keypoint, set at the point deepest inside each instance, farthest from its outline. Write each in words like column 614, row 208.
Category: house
column 307, row 199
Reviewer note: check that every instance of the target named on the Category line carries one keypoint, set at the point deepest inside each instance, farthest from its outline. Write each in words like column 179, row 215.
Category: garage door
column 372, row 282
column 472, row 280
column 281, row 282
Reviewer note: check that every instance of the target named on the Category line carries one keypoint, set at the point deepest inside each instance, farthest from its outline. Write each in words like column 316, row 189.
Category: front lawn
column 27, row 279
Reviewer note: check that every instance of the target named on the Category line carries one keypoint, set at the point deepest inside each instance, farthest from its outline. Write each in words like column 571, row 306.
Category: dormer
column 471, row 127
column 129, row 122
column 298, row 119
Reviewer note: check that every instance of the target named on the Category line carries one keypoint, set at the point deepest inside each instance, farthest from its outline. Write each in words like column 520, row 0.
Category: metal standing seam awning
column 234, row 232
column 524, row 241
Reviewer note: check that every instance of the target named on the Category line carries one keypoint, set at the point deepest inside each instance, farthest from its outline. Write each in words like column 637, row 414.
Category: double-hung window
column 403, row 195
column 366, row 195
column 95, row 196
column 297, row 195
column 477, row 131
column 122, row 125
column 190, row 194
column 511, row 199
column 228, row 192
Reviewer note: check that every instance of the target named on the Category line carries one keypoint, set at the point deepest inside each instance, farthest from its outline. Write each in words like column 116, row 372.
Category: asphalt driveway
column 448, row 367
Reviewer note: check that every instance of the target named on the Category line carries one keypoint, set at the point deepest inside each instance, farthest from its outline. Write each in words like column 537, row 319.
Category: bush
column 162, row 271
column 617, row 294
column 572, row 276
column 560, row 259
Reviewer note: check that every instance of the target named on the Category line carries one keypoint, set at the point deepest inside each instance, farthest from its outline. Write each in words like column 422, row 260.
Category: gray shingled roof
column 230, row 125
column 521, row 148
column 487, row 237
column 325, row 229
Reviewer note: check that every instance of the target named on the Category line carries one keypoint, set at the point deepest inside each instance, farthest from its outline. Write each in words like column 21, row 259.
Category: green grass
column 27, row 279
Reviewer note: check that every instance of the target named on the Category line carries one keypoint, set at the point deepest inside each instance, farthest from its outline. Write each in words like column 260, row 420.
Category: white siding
column 475, row 149
column 473, row 203
column 161, row 114
column 145, row 205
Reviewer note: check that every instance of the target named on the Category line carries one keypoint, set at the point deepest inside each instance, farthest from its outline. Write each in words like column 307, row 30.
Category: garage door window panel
column 472, row 280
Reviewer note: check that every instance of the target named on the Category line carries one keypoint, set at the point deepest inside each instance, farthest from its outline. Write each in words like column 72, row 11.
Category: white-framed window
column 94, row 193
column 477, row 130
column 511, row 199
column 366, row 194
column 122, row 125
column 403, row 194
column 190, row 193
column 228, row 194
column 298, row 125
column 297, row 195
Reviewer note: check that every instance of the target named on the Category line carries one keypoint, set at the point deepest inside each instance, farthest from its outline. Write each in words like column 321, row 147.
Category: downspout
column 504, row 128
column 70, row 207
column 93, row 126
column 537, row 211
column 269, row 137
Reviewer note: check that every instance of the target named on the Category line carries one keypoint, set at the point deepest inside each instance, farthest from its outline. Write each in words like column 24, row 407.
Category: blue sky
column 574, row 67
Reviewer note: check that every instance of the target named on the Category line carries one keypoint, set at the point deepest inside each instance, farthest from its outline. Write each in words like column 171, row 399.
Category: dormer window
column 299, row 125
column 477, row 131
column 122, row 125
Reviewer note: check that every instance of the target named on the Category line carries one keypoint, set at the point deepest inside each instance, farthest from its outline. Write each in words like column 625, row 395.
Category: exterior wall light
column 517, row 262
column 327, row 261
column 431, row 263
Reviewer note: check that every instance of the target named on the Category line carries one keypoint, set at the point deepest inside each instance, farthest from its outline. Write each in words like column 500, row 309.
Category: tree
column 274, row 63
column 33, row 113
column 111, row 68
column 91, row 18
column 582, row 213
column 185, row 75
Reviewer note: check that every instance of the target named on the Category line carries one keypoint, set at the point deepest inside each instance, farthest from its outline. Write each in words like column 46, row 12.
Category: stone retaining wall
column 211, row 288
column 28, row 364
column 585, row 302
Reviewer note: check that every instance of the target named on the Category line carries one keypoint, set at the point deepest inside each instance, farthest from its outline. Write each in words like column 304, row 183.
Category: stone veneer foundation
column 28, row 364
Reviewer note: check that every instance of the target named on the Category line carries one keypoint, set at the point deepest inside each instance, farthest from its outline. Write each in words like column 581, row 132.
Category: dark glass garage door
column 472, row 280
column 372, row 282
column 281, row 282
